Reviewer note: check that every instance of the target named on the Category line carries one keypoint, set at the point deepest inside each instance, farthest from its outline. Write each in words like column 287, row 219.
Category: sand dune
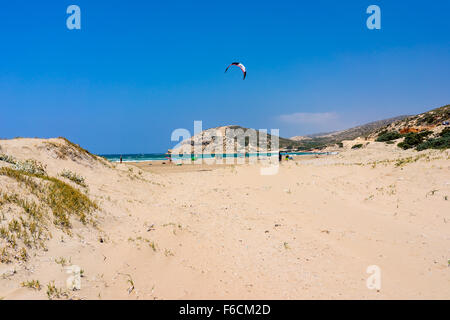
column 227, row 232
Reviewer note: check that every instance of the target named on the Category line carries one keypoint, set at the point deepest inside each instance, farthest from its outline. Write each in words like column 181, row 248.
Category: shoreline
column 114, row 158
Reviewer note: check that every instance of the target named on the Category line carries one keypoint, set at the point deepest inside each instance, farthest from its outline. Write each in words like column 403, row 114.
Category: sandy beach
column 227, row 232
column 235, row 159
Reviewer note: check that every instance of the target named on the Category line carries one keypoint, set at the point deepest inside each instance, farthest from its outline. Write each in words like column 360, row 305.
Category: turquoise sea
column 164, row 156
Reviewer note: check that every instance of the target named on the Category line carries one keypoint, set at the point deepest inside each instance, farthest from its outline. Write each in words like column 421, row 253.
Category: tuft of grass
column 131, row 283
column 72, row 176
column 62, row 261
column 153, row 246
column 168, row 253
column 53, row 292
column 403, row 161
column 8, row 159
column 5, row 256
column 23, row 254
column 32, row 284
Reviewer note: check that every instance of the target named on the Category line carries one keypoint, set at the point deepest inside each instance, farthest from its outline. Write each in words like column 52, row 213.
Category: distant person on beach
column 120, row 158
column 279, row 156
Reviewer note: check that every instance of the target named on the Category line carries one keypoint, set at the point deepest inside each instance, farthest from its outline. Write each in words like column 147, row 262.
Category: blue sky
column 137, row 70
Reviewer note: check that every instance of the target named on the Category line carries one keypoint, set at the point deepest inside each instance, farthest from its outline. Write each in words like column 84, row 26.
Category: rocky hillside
column 322, row 139
column 433, row 120
column 428, row 130
column 229, row 139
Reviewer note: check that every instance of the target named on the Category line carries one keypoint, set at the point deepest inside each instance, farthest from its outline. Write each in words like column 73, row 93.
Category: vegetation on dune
column 55, row 293
column 29, row 165
column 73, row 151
column 32, row 284
column 26, row 216
column 72, row 176
column 8, row 159
column 63, row 199
column 77, row 147
column 28, row 228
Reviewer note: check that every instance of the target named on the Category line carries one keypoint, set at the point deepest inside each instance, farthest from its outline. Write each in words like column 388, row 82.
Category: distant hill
column 210, row 143
column 426, row 120
column 320, row 140
column 431, row 120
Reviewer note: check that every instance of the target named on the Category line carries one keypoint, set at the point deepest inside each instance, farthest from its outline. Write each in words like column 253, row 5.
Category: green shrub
column 442, row 142
column 388, row 136
column 412, row 139
column 428, row 119
column 445, row 132
column 357, row 146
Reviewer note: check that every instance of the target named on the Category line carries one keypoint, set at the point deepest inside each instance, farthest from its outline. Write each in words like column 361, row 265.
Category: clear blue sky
column 139, row 69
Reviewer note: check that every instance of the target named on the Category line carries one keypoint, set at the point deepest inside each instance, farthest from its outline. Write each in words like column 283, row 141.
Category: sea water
column 164, row 156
